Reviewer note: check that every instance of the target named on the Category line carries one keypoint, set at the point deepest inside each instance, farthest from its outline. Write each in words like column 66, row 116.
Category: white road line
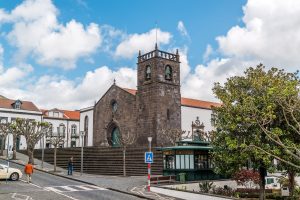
column 96, row 187
column 69, row 188
column 51, row 190
column 84, row 188
column 32, row 184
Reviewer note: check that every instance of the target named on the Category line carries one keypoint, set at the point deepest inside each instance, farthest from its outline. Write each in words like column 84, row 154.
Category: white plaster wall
column 12, row 113
column 68, row 124
column 83, row 113
column 189, row 115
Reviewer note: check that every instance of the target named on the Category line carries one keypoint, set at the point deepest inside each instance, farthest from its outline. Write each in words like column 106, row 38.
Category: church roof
column 187, row 101
column 25, row 105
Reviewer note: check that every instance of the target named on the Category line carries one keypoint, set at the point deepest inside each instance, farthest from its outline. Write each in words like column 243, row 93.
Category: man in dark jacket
column 70, row 166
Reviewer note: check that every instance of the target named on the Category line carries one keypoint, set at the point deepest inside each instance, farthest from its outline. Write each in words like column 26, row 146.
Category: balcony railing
column 74, row 135
column 53, row 134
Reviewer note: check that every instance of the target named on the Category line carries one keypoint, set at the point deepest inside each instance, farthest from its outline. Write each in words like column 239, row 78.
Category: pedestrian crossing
column 73, row 188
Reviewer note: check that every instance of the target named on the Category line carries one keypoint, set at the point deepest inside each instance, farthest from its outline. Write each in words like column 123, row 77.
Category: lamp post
column 149, row 164
column 43, row 147
column 82, row 133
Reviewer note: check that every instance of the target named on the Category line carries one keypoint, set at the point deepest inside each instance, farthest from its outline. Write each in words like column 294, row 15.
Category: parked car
column 12, row 173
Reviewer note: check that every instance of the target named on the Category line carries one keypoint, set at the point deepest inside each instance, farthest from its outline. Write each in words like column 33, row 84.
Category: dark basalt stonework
column 156, row 105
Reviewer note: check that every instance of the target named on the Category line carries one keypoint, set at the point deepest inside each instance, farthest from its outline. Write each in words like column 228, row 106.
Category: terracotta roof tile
column 26, row 105
column 131, row 91
column 198, row 103
column 68, row 114
column 187, row 101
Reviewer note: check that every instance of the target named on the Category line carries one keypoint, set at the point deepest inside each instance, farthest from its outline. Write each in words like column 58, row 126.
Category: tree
column 249, row 121
column 32, row 130
column 125, row 140
column 55, row 140
column 5, row 129
column 172, row 135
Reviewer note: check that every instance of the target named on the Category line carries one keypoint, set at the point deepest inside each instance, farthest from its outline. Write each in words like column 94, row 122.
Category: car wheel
column 14, row 176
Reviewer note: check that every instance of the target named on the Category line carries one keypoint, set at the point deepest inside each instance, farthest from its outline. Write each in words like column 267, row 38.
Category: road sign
column 148, row 157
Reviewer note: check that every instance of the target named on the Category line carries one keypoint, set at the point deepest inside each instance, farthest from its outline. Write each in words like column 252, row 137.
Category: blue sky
column 66, row 53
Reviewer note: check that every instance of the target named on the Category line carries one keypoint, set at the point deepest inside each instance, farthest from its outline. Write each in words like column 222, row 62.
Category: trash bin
column 285, row 192
column 182, row 177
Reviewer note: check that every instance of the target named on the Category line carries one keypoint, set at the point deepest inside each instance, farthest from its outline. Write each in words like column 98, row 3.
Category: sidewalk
column 135, row 185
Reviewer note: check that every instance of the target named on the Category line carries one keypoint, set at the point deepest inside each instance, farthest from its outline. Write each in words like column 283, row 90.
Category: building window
column 73, row 129
column 17, row 105
column 169, row 162
column 184, row 161
column 168, row 114
column 148, row 72
column 86, row 130
column 168, row 73
column 61, row 130
column 203, row 161
column 114, row 106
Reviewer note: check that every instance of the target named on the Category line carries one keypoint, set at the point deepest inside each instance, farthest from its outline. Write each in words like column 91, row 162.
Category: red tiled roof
column 198, row 103
column 25, row 105
column 131, row 91
column 68, row 114
column 187, row 101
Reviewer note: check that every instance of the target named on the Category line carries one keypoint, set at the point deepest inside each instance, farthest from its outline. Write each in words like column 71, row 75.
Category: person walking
column 28, row 171
column 70, row 166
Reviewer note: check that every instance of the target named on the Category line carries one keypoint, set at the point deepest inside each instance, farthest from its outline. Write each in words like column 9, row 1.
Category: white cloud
column 271, row 34
column 36, row 31
column 144, row 42
column 182, row 30
column 56, row 91
column 209, row 50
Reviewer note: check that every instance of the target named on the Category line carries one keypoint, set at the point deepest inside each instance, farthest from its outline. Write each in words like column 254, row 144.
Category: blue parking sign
column 148, row 157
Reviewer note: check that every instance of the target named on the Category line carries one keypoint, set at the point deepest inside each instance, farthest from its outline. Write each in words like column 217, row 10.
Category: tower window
column 148, row 72
column 168, row 73
column 168, row 114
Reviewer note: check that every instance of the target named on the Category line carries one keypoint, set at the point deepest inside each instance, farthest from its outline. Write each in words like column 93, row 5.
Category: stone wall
column 105, row 119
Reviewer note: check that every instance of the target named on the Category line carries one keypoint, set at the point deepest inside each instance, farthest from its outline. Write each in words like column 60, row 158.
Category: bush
column 246, row 177
column 206, row 186
column 225, row 191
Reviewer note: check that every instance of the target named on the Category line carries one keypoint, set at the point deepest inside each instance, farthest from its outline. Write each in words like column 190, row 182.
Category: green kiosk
column 190, row 159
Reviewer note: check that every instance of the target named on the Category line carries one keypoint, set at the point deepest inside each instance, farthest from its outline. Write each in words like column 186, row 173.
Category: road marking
column 73, row 188
column 31, row 184
column 20, row 197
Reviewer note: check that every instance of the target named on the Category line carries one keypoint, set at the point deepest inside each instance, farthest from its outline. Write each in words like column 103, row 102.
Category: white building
column 12, row 109
column 65, row 123
column 86, row 125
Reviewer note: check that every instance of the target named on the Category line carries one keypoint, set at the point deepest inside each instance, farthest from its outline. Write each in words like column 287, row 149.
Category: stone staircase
column 105, row 160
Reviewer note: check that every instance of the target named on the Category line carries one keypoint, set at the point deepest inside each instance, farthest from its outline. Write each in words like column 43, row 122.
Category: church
column 155, row 105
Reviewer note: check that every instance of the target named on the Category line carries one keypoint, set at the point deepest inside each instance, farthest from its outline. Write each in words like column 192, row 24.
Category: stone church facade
column 154, row 106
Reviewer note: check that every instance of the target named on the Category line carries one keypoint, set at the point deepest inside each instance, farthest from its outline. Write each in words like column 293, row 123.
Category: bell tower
column 158, row 95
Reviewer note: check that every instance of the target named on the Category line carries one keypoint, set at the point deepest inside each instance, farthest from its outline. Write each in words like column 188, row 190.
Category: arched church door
column 115, row 137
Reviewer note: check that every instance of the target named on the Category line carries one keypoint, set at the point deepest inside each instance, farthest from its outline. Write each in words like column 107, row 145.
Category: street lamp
column 82, row 133
column 149, row 140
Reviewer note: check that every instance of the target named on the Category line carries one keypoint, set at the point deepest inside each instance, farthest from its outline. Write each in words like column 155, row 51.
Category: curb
column 85, row 182
column 207, row 194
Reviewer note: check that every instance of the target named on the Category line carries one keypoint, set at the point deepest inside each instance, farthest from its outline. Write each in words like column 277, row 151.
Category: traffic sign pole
column 149, row 176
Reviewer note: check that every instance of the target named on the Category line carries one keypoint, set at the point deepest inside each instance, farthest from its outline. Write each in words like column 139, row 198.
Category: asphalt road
column 49, row 187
